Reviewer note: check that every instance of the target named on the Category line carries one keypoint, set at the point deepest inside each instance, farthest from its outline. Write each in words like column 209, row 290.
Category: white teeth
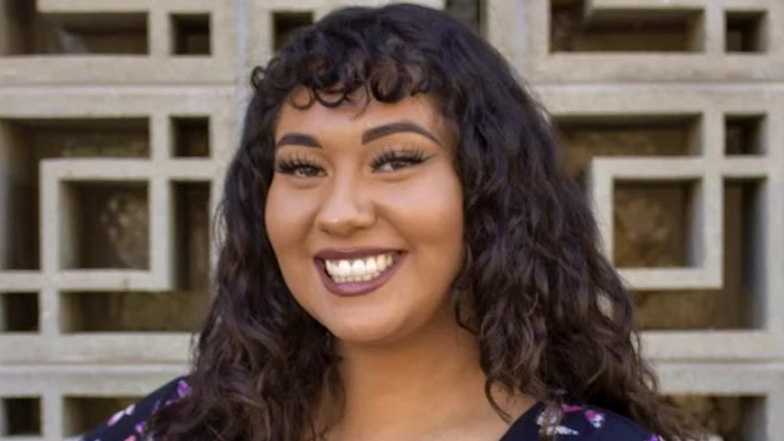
column 370, row 265
column 358, row 267
column 358, row 270
column 344, row 268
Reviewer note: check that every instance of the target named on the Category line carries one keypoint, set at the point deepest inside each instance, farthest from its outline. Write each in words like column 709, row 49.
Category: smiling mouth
column 348, row 277
column 359, row 270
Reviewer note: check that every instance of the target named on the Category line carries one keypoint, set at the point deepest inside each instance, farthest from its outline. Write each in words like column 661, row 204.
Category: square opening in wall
column 24, row 143
column 191, row 136
column 191, row 34
column 105, row 225
column 132, row 311
column 21, row 417
column 576, row 26
column 740, row 303
column 192, row 239
column 284, row 24
column 725, row 417
column 25, row 31
column 18, row 312
column 588, row 136
column 745, row 31
column 83, row 413
column 653, row 223
column 469, row 12
column 744, row 135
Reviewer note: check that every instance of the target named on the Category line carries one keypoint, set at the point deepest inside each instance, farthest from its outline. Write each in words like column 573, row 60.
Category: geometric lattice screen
column 117, row 119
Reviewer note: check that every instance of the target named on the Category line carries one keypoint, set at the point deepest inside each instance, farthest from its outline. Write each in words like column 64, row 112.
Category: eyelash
column 408, row 156
column 290, row 166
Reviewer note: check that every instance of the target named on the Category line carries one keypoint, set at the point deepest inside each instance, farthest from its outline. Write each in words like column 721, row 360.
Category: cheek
column 429, row 214
column 285, row 218
column 273, row 221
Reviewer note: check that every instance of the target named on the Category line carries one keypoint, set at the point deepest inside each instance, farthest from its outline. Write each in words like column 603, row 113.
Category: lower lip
column 350, row 289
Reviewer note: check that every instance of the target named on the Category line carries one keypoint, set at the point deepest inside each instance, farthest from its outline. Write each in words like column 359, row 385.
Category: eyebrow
column 367, row 136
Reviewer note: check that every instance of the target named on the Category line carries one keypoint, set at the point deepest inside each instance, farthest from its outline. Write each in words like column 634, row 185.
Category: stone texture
column 117, row 120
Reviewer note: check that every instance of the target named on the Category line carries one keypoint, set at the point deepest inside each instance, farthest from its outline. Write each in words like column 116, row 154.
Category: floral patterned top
column 579, row 423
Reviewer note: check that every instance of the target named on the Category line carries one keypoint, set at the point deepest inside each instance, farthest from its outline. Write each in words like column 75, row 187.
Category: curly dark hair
column 549, row 311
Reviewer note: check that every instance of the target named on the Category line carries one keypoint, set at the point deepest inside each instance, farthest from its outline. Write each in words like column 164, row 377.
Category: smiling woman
column 381, row 190
column 402, row 259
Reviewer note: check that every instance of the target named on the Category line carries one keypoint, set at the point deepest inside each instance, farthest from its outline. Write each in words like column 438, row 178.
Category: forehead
column 349, row 119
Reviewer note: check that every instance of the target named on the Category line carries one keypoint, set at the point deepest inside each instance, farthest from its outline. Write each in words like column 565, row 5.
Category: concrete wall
column 117, row 120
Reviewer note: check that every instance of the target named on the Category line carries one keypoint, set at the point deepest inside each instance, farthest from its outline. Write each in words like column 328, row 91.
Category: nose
column 345, row 209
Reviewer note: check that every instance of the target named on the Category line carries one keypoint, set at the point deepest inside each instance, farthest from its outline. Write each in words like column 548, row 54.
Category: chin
column 366, row 332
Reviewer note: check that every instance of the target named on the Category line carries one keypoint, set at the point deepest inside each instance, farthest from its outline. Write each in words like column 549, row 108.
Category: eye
column 298, row 167
column 391, row 160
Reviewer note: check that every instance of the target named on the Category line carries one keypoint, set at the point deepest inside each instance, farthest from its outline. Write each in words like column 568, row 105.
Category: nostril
column 346, row 223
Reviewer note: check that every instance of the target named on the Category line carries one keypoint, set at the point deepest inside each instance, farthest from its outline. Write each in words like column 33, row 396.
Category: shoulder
column 587, row 422
column 129, row 423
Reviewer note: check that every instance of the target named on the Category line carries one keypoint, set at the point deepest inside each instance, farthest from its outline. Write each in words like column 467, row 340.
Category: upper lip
column 351, row 253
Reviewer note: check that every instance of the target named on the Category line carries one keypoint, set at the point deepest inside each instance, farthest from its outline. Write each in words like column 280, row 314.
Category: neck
column 416, row 385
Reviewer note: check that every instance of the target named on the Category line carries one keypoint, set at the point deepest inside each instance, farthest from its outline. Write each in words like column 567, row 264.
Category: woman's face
column 364, row 214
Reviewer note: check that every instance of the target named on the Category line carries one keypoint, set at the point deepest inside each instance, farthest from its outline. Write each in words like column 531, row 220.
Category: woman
column 402, row 259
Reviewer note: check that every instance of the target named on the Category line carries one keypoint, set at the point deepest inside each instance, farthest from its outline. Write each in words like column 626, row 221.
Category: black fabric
column 579, row 423
column 127, row 424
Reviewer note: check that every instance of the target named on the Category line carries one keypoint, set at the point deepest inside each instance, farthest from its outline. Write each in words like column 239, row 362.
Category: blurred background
column 117, row 120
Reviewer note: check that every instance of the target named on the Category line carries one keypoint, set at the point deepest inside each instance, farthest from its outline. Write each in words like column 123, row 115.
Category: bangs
column 333, row 66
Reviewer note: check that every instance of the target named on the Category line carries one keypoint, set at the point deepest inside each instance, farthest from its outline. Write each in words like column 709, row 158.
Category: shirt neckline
column 523, row 423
